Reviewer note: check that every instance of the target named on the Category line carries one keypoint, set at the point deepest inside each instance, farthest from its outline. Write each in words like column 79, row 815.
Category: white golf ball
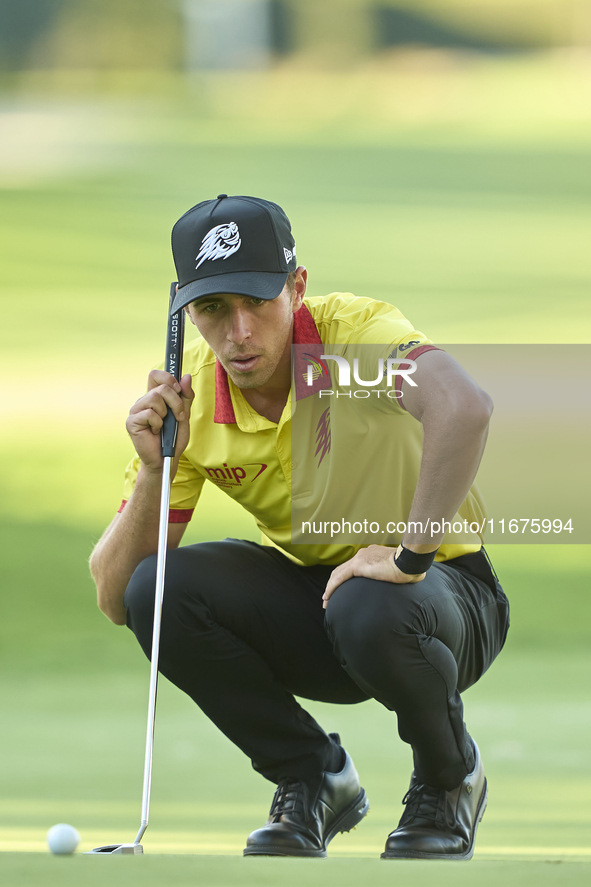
column 62, row 838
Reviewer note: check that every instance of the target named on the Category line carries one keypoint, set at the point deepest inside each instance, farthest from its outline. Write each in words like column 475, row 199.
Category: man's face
column 250, row 337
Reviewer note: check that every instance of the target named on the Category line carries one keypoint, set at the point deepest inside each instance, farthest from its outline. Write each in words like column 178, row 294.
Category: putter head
column 134, row 849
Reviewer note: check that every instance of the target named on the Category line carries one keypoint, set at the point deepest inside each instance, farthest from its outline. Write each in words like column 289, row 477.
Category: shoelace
column 291, row 797
column 428, row 803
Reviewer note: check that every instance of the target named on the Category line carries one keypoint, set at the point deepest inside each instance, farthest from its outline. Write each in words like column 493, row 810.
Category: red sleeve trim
column 412, row 355
column 180, row 515
column 416, row 352
column 175, row 515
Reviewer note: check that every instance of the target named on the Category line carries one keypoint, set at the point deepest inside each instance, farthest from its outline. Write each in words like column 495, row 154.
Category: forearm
column 133, row 534
column 452, row 450
column 130, row 538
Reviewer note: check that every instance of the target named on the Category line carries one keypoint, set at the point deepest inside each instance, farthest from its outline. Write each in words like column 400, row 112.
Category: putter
column 172, row 363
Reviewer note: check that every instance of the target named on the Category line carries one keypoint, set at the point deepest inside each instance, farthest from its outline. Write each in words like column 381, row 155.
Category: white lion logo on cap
column 219, row 243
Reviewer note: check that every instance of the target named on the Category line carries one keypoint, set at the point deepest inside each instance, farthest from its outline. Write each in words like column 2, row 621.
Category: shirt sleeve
column 184, row 493
column 388, row 335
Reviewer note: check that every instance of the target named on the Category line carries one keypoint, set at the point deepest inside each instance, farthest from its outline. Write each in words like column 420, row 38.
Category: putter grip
column 173, row 364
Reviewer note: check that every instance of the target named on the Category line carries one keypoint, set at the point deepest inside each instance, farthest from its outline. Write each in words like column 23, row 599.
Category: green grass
column 221, row 872
column 75, row 744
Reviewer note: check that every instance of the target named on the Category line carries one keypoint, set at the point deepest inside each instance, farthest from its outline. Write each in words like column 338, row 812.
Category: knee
column 139, row 597
column 364, row 615
column 141, row 590
column 353, row 620
column 184, row 605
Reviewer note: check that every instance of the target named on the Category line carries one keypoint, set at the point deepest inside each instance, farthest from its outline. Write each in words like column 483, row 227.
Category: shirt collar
column 304, row 333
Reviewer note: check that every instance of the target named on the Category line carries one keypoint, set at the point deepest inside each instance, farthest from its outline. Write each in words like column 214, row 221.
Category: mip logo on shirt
column 233, row 477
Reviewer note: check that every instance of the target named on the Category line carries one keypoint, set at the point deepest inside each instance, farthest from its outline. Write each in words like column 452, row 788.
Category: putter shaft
column 158, row 597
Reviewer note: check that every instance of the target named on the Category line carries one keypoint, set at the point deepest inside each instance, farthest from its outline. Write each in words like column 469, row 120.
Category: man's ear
column 299, row 291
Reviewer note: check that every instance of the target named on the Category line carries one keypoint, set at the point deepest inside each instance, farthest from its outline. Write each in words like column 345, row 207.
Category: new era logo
column 289, row 254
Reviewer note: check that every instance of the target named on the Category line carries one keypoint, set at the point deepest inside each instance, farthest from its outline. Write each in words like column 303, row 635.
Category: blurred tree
column 347, row 28
column 396, row 26
column 282, row 27
column 148, row 34
column 21, row 23
column 112, row 34
column 332, row 32
column 511, row 23
column 126, row 34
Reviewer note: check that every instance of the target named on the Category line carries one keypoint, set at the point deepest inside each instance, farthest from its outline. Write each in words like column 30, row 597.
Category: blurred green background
column 431, row 154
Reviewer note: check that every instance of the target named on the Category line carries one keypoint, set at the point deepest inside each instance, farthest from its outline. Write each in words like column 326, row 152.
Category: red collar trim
column 224, row 408
column 304, row 333
column 304, row 328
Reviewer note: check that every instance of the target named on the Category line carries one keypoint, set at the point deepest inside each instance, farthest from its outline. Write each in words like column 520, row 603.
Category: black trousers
column 243, row 632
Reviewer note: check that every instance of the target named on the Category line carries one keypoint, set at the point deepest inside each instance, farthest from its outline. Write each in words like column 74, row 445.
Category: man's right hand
column 144, row 422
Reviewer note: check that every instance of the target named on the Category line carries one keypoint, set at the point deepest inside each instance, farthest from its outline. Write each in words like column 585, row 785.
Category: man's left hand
column 373, row 562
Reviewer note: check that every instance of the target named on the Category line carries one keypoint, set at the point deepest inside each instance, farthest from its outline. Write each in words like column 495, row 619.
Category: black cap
column 240, row 245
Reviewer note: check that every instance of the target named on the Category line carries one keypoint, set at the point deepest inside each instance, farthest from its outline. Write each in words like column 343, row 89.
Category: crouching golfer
column 247, row 627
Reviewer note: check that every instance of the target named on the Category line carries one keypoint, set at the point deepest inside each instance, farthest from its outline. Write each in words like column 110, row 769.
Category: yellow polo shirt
column 249, row 457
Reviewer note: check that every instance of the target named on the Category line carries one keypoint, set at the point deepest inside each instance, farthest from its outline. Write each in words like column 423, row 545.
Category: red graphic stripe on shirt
column 175, row 515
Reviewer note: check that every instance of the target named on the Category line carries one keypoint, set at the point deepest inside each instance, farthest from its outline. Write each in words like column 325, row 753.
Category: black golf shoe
column 305, row 816
column 438, row 824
